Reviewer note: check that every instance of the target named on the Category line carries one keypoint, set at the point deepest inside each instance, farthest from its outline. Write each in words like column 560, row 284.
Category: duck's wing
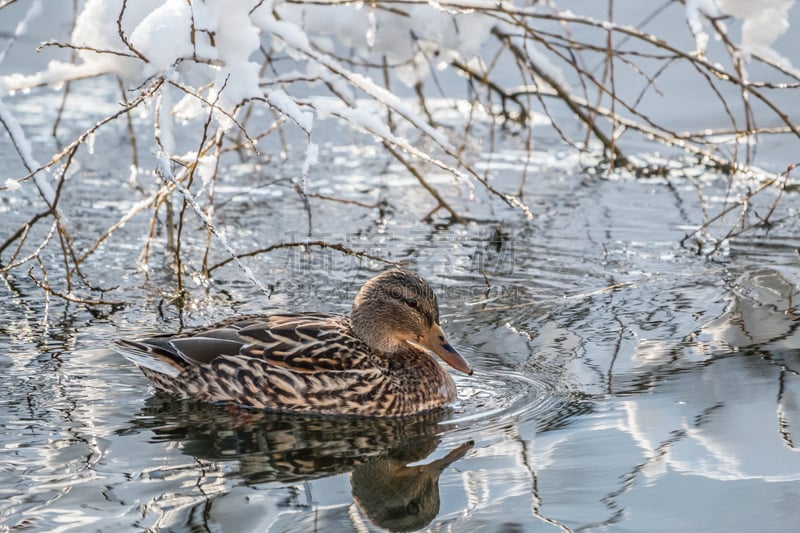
column 303, row 342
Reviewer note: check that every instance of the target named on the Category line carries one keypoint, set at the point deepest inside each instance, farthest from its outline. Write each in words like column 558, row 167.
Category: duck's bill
column 436, row 342
column 437, row 466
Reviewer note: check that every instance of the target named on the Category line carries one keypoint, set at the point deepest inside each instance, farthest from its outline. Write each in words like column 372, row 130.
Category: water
column 621, row 382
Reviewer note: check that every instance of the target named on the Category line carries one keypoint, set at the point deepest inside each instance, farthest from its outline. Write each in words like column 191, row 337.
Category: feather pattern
column 307, row 362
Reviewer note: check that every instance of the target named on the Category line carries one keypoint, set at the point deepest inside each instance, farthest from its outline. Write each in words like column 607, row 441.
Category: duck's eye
column 411, row 303
column 412, row 508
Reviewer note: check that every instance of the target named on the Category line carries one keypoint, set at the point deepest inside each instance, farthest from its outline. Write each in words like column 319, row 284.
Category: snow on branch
column 207, row 70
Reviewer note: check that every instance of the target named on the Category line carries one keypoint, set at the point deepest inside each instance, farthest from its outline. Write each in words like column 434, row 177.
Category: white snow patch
column 11, row 185
column 169, row 23
column 286, row 105
column 312, row 158
column 763, row 22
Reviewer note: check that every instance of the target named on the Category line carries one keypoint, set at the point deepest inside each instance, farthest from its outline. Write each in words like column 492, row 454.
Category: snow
column 90, row 143
column 11, row 185
column 169, row 23
column 236, row 39
column 694, row 11
column 312, row 158
column 216, row 50
column 286, row 105
column 763, row 22
column 96, row 27
column 214, row 47
column 56, row 73
column 164, row 132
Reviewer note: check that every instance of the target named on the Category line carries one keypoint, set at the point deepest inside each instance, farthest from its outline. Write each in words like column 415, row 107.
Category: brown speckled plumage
column 375, row 363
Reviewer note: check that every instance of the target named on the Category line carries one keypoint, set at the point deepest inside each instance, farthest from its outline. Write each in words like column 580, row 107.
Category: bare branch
column 307, row 244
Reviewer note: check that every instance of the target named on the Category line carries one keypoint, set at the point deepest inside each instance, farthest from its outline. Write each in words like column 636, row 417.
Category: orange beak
column 436, row 342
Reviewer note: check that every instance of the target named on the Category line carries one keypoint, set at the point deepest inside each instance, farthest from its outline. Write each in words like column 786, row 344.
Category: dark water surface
column 621, row 382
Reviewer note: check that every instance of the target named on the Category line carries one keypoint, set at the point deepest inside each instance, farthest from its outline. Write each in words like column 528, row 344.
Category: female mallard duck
column 375, row 362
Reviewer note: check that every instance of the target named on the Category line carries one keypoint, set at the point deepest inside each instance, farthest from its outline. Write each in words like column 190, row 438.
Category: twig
column 122, row 36
column 214, row 107
column 129, row 121
column 74, row 47
column 427, row 186
column 22, row 231
column 22, row 235
column 343, row 200
column 315, row 244
column 47, row 288
column 743, row 203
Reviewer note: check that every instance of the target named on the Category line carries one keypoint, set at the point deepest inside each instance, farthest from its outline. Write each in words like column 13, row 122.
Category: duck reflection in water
column 285, row 448
column 398, row 497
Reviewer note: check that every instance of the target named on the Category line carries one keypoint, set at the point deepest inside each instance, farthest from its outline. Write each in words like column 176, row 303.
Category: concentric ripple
column 494, row 397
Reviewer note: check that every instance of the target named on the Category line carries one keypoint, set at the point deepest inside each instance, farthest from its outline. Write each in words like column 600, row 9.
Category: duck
column 378, row 361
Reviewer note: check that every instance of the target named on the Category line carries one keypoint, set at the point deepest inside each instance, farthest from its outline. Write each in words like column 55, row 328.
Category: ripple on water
column 488, row 401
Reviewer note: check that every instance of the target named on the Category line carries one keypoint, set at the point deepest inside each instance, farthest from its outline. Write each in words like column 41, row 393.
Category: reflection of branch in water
column 629, row 479
column 758, row 323
column 274, row 447
column 615, row 353
column 657, row 454
column 536, row 499
column 783, row 423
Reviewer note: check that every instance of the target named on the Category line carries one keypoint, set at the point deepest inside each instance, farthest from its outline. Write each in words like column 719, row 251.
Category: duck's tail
column 147, row 356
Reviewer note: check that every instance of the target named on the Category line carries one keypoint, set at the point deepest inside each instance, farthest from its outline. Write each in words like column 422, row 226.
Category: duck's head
column 397, row 308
